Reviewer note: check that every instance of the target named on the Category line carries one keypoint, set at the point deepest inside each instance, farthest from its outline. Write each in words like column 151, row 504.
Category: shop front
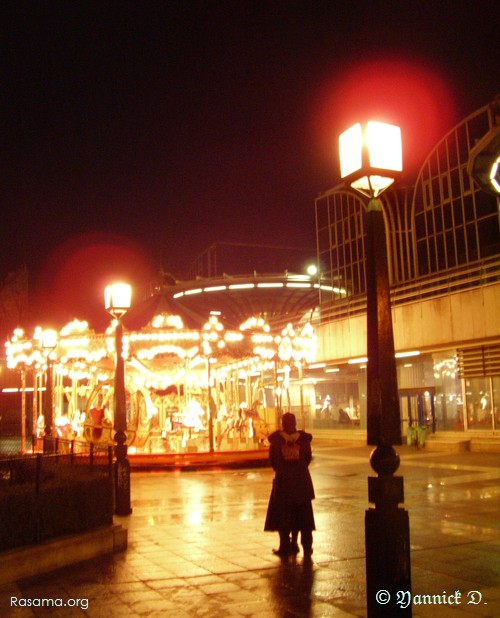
column 434, row 394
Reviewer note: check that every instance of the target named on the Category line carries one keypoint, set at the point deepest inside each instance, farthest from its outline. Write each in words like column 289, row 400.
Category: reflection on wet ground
column 197, row 546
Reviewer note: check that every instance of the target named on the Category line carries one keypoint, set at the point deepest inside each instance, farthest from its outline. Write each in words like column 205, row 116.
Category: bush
column 70, row 500
column 18, row 516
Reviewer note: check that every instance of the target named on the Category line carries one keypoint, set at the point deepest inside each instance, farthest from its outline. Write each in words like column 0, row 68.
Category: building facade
column 443, row 238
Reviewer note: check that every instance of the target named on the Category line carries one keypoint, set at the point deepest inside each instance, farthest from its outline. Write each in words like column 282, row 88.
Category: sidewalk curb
column 33, row 560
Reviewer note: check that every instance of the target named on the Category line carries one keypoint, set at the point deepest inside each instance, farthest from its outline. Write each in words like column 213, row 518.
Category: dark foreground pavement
column 197, row 546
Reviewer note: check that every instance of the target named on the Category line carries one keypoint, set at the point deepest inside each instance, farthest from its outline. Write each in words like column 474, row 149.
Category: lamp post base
column 122, row 487
column 388, row 580
column 122, row 476
column 387, row 539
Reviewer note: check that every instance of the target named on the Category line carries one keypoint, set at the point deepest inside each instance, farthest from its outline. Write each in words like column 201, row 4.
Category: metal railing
column 430, row 286
column 35, row 467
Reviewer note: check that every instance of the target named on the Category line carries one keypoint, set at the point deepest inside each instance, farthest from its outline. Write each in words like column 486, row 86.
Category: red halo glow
column 407, row 94
column 72, row 280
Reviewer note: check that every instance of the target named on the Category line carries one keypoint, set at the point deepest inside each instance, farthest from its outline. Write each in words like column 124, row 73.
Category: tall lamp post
column 117, row 297
column 370, row 161
column 49, row 343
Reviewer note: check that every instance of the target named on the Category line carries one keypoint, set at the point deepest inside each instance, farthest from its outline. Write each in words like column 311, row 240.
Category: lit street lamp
column 370, row 161
column 117, row 299
column 49, row 343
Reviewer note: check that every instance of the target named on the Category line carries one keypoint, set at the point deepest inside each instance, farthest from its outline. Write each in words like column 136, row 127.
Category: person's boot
column 284, row 548
column 294, row 546
column 306, row 539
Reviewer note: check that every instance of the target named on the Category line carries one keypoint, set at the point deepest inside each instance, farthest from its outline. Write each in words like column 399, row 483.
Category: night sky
column 136, row 134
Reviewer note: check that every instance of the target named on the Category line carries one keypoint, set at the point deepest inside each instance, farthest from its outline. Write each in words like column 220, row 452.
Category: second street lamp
column 370, row 160
column 117, row 299
column 49, row 344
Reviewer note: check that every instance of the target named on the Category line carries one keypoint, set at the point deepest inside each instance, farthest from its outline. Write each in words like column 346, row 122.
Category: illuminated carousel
column 190, row 390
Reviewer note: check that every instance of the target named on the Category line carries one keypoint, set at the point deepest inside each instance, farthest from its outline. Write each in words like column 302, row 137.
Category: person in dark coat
column 290, row 504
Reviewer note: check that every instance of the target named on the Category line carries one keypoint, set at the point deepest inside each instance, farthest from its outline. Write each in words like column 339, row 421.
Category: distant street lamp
column 370, row 161
column 49, row 344
column 117, row 298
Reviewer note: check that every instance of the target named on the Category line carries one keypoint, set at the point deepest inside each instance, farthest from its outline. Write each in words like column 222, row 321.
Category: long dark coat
column 290, row 505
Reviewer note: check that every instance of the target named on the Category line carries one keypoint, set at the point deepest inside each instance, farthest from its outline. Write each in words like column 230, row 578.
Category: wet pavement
column 197, row 546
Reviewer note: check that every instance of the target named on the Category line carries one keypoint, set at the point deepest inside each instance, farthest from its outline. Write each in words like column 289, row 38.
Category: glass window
column 436, row 195
column 448, row 216
column 449, row 405
column 495, row 387
column 471, row 241
column 461, row 248
column 423, row 265
column 462, row 144
column 322, row 212
column 455, row 184
column 450, row 249
column 478, row 402
column 420, row 226
column 452, row 151
column 488, row 235
column 457, row 210
column 445, row 188
column 467, row 181
column 336, row 401
column 324, row 238
column 485, row 204
column 441, row 252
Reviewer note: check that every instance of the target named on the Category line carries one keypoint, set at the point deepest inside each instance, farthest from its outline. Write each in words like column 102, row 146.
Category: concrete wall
column 459, row 319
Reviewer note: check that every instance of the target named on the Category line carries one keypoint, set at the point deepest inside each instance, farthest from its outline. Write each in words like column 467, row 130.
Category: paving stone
column 192, row 555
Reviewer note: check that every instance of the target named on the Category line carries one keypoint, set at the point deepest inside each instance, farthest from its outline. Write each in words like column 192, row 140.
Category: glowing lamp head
column 49, row 339
column 371, row 156
column 117, row 299
column 495, row 175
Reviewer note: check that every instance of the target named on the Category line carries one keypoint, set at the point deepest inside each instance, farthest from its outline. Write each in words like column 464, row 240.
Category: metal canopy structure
column 278, row 298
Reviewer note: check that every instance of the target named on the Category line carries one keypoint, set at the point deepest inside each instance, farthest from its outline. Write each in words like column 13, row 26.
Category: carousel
column 189, row 388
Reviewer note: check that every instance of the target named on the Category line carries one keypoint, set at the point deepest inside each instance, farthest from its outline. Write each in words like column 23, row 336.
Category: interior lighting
column 74, row 327
column 407, row 354
column 254, row 323
column 163, row 320
column 329, row 288
column 242, row 286
column 357, row 361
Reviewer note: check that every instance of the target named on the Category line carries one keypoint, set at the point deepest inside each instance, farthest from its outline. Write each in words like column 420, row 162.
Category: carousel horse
column 97, row 428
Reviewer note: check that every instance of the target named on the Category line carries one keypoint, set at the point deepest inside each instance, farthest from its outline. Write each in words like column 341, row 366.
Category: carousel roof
column 142, row 313
column 177, row 325
column 234, row 299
